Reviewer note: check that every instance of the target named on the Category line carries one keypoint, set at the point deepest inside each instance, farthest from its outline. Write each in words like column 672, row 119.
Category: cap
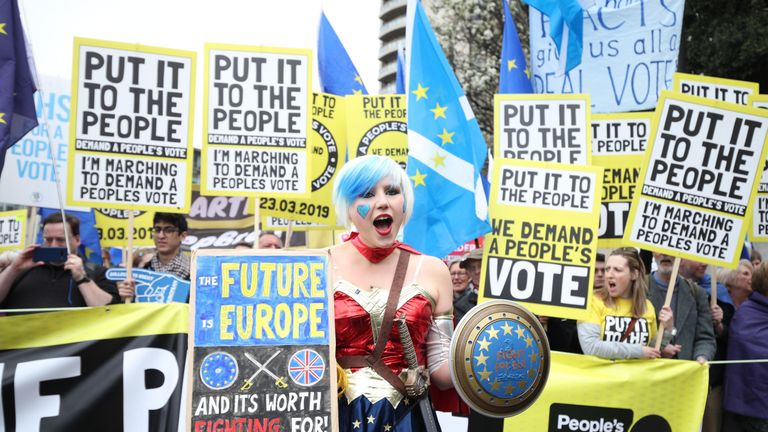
column 474, row 254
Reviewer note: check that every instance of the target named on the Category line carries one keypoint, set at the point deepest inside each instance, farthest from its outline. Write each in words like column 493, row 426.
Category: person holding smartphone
column 55, row 279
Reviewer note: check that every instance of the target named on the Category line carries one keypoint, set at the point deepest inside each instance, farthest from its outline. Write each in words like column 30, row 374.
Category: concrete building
column 392, row 37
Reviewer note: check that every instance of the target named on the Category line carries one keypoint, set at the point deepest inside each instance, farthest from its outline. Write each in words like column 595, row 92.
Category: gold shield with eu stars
column 500, row 358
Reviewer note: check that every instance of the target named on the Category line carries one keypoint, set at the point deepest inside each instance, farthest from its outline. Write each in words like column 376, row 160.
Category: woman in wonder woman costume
column 378, row 282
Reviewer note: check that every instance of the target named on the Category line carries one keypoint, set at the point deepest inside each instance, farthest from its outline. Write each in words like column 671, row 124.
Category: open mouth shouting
column 383, row 224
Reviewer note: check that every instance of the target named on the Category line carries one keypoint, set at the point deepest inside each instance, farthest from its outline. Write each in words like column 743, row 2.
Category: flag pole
column 256, row 223
column 713, row 288
column 32, row 225
column 289, row 234
column 668, row 299
column 56, row 178
column 129, row 255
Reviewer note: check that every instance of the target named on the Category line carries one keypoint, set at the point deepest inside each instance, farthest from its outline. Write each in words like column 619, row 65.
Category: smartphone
column 50, row 254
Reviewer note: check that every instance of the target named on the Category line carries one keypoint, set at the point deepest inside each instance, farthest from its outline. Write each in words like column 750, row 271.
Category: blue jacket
column 746, row 385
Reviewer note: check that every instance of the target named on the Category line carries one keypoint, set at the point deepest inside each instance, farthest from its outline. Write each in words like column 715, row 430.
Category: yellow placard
column 256, row 121
column 542, row 249
column 130, row 143
column 618, row 145
column 543, row 127
column 722, row 89
column 699, row 179
column 617, row 396
column 13, row 228
column 272, row 223
column 112, row 226
column 377, row 125
column 758, row 218
column 327, row 154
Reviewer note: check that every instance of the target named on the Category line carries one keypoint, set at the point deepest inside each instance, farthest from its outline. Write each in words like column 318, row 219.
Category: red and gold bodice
column 359, row 313
column 358, row 317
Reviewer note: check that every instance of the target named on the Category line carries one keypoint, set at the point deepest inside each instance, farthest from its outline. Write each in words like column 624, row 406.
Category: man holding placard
column 28, row 283
column 168, row 231
column 692, row 337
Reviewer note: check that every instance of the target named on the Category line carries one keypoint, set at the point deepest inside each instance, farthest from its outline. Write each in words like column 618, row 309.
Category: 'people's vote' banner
column 28, row 174
column 377, row 125
column 130, row 143
column 547, row 128
column 328, row 151
column 618, row 145
column 726, row 90
column 542, row 248
column 256, row 121
column 759, row 224
column 13, row 225
column 699, row 179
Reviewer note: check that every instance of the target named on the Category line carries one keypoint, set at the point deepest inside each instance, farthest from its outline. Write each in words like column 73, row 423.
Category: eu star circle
column 218, row 370
column 500, row 358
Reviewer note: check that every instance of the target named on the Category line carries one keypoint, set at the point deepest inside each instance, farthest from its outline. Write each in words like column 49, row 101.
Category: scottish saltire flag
column 17, row 88
column 400, row 73
column 337, row 72
column 446, row 149
column 90, row 247
column 514, row 74
column 566, row 28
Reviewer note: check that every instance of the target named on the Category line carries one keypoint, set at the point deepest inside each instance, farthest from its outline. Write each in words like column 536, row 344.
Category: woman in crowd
column 622, row 322
column 738, row 281
column 746, row 384
column 374, row 194
column 459, row 278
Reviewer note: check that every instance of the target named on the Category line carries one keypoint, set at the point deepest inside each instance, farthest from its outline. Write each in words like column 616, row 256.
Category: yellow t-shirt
column 614, row 321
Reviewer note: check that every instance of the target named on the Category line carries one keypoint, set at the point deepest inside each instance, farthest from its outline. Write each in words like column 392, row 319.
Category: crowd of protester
column 76, row 282
column 733, row 327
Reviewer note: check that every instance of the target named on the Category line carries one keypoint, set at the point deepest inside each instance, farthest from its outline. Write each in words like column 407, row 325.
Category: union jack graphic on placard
column 306, row 367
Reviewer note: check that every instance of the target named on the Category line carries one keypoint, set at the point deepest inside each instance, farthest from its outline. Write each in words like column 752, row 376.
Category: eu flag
column 566, row 28
column 514, row 75
column 446, row 149
column 400, row 73
column 337, row 72
column 17, row 88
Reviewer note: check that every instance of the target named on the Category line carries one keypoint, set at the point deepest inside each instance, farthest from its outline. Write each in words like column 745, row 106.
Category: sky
column 51, row 25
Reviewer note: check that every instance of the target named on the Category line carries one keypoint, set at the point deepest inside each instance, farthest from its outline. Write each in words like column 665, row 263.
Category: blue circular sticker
column 506, row 359
column 218, row 370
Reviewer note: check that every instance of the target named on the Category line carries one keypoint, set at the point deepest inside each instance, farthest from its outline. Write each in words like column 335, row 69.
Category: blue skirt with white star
column 361, row 415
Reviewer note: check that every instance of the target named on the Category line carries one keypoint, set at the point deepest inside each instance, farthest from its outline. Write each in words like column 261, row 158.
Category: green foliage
column 722, row 38
column 470, row 33
column 727, row 39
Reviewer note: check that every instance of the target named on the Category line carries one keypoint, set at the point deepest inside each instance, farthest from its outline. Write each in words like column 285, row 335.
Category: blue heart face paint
column 363, row 210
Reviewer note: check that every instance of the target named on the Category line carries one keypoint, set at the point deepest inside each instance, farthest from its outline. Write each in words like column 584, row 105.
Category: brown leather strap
column 374, row 359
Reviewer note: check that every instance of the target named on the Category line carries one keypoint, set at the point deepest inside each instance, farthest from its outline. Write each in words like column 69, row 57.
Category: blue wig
column 360, row 175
